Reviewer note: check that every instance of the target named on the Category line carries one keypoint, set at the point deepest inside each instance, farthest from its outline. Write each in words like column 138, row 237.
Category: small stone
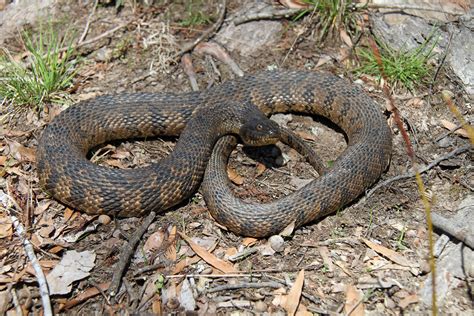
column 277, row 243
column 260, row 307
column 104, row 219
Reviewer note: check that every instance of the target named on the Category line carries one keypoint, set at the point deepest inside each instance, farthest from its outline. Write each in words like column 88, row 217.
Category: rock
column 407, row 32
column 20, row 13
column 248, row 38
column 277, row 243
column 461, row 59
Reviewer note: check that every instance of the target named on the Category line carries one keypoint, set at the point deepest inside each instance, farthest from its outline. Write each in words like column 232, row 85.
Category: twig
column 269, row 14
column 411, row 174
column 402, row 7
column 438, row 69
column 89, row 18
column 207, row 34
column 217, row 51
column 43, row 285
column 127, row 252
column 250, row 285
column 346, row 240
column 105, row 34
column 448, row 226
column 187, row 64
column 449, row 132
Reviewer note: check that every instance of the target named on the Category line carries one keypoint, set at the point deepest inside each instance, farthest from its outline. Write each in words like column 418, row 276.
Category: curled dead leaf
column 22, row 153
column 234, row 176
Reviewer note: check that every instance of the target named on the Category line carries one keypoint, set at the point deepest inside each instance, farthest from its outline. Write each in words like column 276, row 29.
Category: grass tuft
column 195, row 16
column 46, row 75
column 408, row 68
column 333, row 15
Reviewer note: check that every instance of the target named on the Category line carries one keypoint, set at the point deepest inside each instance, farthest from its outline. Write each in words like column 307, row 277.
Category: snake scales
column 69, row 176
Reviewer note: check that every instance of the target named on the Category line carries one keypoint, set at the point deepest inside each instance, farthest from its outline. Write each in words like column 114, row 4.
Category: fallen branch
column 268, row 13
column 411, row 174
column 249, row 285
column 207, row 34
column 43, row 284
column 88, row 23
column 451, row 228
column 127, row 252
column 402, row 7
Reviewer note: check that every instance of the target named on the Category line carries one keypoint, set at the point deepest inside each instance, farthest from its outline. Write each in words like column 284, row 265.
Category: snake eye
column 259, row 127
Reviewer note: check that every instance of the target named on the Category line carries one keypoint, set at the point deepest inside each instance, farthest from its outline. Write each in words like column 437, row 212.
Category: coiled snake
column 65, row 172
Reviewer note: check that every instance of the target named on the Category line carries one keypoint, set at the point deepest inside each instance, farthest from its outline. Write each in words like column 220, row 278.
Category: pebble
column 277, row 243
column 260, row 307
column 104, row 219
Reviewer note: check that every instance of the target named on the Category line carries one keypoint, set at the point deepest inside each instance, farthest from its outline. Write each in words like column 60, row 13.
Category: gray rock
column 403, row 32
column 20, row 13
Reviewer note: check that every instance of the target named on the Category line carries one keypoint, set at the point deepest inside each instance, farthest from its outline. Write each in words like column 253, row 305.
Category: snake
column 66, row 173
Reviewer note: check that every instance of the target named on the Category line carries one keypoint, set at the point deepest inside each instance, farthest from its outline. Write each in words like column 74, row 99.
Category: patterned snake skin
column 67, row 174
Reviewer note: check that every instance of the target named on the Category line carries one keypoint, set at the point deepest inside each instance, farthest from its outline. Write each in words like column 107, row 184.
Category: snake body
column 65, row 172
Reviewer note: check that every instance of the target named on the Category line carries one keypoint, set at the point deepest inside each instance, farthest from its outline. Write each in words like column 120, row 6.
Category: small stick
column 215, row 50
column 265, row 14
column 207, row 34
column 408, row 175
column 89, row 18
column 127, row 252
column 402, row 7
column 43, row 284
column 187, row 64
column 245, row 285
column 449, row 132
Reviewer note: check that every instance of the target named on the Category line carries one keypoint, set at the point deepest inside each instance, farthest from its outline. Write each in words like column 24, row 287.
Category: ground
column 346, row 256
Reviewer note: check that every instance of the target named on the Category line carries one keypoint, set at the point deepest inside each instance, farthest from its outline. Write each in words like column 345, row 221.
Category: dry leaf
column 260, row 169
column 294, row 4
column 345, row 38
column 170, row 253
column 156, row 305
column 288, row 230
column 3, row 160
column 6, row 227
column 74, row 266
column 217, row 263
column 22, row 153
column 294, row 296
column 87, row 294
column 249, row 241
column 450, row 126
column 115, row 163
column 324, row 252
column 306, row 135
column 410, row 299
column 390, row 254
column 184, row 263
column 154, row 242
column 234, row 176
column 323, row 60
column 354, row 305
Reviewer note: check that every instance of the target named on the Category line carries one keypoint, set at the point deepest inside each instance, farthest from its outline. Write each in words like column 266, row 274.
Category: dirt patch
column 165, row 274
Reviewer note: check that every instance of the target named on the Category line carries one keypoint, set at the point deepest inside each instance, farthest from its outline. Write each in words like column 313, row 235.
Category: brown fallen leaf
column 22, row 153
column 345, row 38
column 170, row 253
column 234, row 176
column 82, row 297
column 6, row 226
column 3, row 160
column 450, row 126
column 154, row 242
column 294, row 296
column 388, row 253
column 249, row 241
column 260, row 169
column 354, row 305
column 184, row 263
column 410, row 299
column 217, row 263
column 294, row 4
column 288, row 230
column 306, row 135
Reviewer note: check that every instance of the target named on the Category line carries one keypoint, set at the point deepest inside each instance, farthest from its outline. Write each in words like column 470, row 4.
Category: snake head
column 258, row 130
